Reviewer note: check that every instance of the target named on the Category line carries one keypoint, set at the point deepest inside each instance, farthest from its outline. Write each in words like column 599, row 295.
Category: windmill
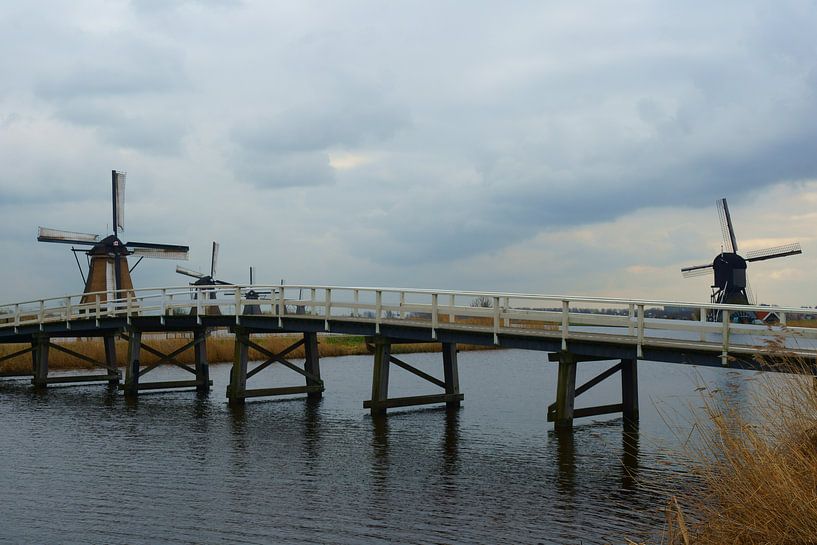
column 206, row 280
column 730, row 285
column 108, row 270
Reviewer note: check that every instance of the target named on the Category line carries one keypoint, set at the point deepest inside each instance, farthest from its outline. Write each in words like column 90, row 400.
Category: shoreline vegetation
column 219, row 350
column 754, row 466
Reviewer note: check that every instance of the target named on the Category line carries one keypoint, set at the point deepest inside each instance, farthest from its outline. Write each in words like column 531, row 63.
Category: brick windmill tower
column 108, row 270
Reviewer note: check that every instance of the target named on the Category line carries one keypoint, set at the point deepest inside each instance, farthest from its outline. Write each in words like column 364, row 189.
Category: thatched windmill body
column 108, row 270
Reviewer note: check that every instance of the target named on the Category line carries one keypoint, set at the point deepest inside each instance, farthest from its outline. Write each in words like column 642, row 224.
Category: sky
column 537, row 147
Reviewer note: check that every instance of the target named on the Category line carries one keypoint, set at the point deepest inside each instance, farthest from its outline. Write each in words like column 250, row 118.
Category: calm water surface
column 83, row 465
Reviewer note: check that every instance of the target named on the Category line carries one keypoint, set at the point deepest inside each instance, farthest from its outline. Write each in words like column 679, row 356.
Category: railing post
column 434, row 316
column 725, row 333
column 452, row 314
column 17, row 315
column 237, row 305
column 565, row 322
column 630, row 319
column 313, row 300
column 378, row 304
column 505, row 308
column 497, row 311
column 199, row 306
column 41, row 318
column 327, row 308
column 164, row 307
column 782, row 316
column 356, row 310
column 702, row 312
column 67, row 309
column 639, row 347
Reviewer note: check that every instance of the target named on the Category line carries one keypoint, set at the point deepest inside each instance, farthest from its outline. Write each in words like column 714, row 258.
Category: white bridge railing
column 639, row 323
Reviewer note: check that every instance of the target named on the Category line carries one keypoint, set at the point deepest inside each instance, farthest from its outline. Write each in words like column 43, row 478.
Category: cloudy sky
column 546, row 147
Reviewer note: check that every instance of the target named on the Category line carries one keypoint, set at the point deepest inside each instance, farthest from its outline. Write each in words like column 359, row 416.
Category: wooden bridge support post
column 629, row 390
column 312, row 364
column 202, row 365
column 132, row 364
column 39, row 345
column 238, row 374
column 109, row 342
column 566, row 391
column 380, row 375
column 451, row 373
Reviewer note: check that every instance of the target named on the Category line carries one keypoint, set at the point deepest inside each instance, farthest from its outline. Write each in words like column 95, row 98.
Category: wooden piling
column 109, row 342
column 566, row 391
column 132, row 364
column 39, row 345
column 202, row 364
column 629, row 390
column 451, row 373
column 380, row 376
column 236, row 391
column 312, row 365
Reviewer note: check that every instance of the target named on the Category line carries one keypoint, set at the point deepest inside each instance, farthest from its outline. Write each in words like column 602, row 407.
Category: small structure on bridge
column 730, row 284
column 108, row 273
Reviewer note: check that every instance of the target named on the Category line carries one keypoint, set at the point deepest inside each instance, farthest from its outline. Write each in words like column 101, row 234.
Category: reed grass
column 756, row 469
column 219, row 350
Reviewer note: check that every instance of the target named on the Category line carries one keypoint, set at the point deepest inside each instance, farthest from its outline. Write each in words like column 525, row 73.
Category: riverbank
column 219, row 350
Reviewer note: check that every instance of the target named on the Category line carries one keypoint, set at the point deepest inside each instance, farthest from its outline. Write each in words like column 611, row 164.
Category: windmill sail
column 161, row 251
column 118, row 189
column 774, row 251
column 46, row 234
column 189, row 272
column 730, row 243
column 214, row 259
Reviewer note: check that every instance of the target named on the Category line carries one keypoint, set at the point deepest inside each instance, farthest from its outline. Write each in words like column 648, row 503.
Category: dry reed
column 219, row 350
column 756, row 469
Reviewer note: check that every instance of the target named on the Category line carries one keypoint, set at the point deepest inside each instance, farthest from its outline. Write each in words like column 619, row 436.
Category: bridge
column 570, row 329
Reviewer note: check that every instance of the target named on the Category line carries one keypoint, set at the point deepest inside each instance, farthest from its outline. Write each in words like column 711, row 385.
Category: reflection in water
column 565, row 460
column 321, row 471
column 629, row 457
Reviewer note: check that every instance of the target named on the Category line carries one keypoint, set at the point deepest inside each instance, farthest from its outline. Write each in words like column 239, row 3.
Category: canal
column 84, row 465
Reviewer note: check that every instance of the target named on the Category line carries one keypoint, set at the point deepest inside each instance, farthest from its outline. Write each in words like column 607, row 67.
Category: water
column 83, row 465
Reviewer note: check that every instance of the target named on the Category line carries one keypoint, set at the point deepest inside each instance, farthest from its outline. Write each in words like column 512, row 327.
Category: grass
column 757, row 474
column 219, row 349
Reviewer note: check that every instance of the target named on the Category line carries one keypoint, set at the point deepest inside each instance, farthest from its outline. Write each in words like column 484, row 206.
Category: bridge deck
column 625, row 329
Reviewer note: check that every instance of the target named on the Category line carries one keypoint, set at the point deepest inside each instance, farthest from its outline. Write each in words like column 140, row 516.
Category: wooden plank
column 168, row 384
column 284, row 390
column 451, row 372
column 417, row 372
column 595, row 411
column 18, row 353
column 597, row 379
column 563, row 413
column 411, row 401
column 78, row 378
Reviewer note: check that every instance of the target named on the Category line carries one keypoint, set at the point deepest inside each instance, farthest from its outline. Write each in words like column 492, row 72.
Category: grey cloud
column 280, row 170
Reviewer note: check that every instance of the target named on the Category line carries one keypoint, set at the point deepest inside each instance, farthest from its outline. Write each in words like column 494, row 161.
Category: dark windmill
column 108, row 270
column 204, row 280
column 730, row 283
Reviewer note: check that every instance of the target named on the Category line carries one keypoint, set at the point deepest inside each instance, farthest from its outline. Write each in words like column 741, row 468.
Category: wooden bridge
column 571, row 329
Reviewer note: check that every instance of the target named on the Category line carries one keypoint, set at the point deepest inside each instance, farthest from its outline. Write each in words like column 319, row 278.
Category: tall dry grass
column 219, row 350
column 757, row 469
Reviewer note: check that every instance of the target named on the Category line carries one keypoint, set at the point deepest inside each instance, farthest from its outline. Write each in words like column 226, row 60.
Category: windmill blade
column 773, row 252
column 214, row 259
column 160, row 251
column 696, row 270
column 118, row 191
column 189, row 272
column 730, row 244
column 46, row 234
column 251, row 274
